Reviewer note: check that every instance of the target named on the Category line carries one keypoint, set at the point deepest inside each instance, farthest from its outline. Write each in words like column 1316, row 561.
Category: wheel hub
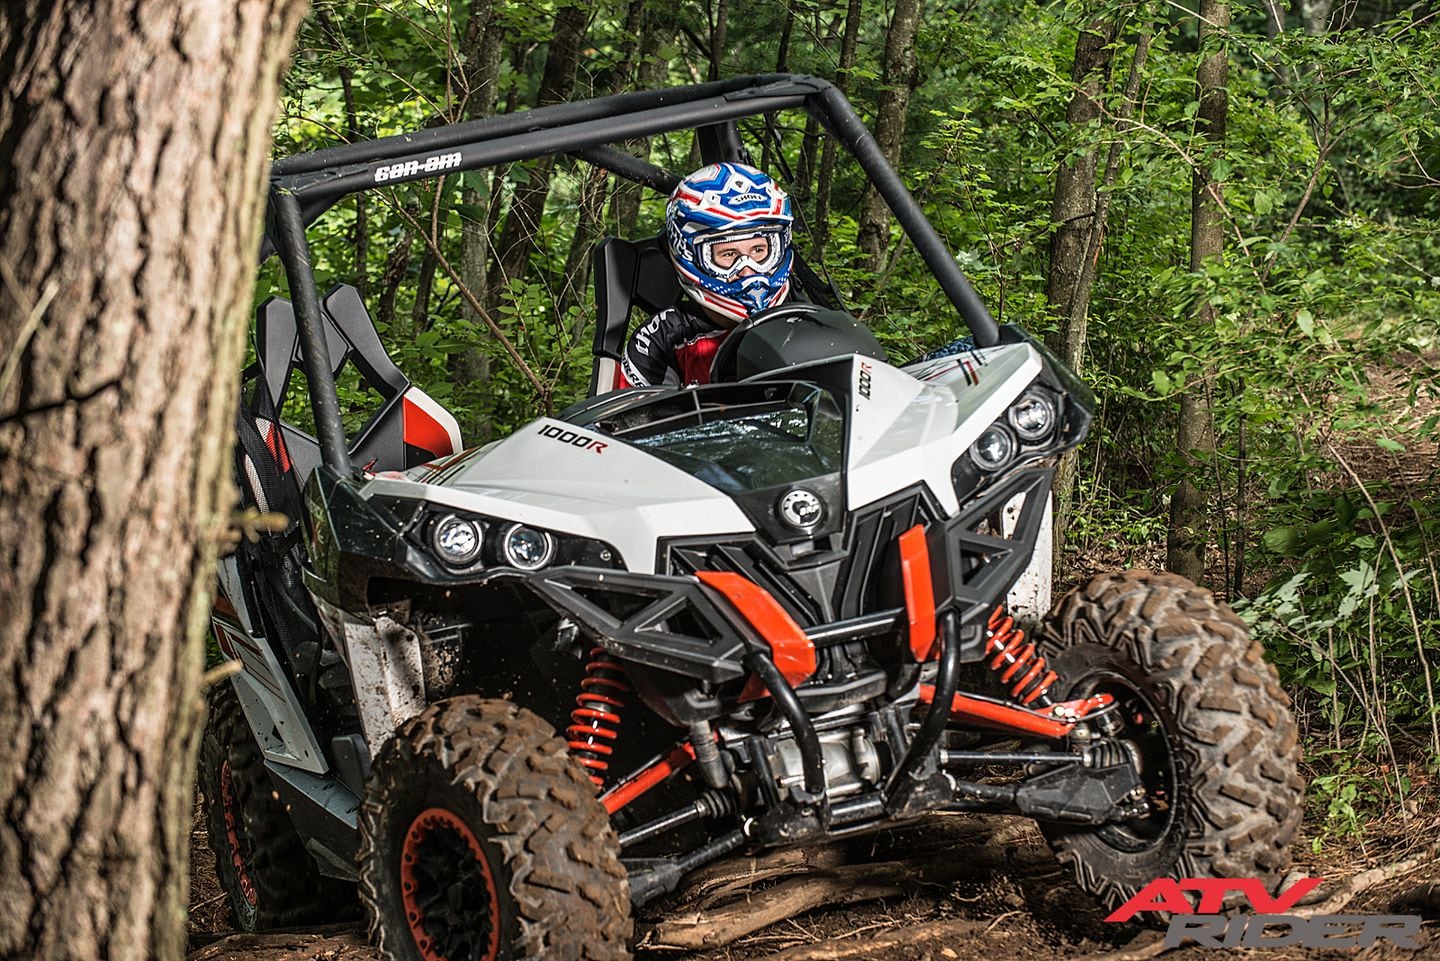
column 448, row 889
column 1142, row 728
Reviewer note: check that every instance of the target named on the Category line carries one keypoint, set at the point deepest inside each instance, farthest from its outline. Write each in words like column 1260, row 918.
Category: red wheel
column 448, row 889
column 481, row 838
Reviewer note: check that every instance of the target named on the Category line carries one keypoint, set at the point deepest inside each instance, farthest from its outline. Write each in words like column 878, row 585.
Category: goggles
column 724, row 255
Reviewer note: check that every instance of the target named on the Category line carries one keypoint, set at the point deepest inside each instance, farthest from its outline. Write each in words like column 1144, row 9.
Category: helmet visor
column 725, row 256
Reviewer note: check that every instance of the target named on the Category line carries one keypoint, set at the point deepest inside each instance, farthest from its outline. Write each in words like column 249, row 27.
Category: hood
column 570, row 480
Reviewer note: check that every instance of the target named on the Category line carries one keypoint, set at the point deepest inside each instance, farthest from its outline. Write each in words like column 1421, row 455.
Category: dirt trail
column 986, row 889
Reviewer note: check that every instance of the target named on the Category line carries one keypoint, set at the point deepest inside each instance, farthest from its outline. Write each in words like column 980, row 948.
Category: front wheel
column 1213, row 731
column 481, row 839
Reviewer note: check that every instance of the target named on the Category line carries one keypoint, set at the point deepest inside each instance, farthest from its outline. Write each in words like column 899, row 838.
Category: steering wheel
column 723, row 364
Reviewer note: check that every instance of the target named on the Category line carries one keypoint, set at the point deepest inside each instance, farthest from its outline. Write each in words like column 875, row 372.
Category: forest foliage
column 1319, row 367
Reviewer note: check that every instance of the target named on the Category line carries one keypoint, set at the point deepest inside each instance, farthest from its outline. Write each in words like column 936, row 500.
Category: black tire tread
column 1240, row 745
column 289, row 889
column 560, row 852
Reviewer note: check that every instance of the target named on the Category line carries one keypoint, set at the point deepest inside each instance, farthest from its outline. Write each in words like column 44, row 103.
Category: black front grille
column 858, row 575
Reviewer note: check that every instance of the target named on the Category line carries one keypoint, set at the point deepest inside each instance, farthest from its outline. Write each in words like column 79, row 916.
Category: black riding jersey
column 674, row 347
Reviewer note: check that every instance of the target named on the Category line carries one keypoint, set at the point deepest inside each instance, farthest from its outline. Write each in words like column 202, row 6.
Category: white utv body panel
column 905, row 429
column 265, row 695
column 570, row 480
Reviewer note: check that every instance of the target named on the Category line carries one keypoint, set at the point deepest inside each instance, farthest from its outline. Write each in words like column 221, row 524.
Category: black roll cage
column 304, row 186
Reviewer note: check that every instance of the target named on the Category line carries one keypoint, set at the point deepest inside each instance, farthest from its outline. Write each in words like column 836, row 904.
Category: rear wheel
column 481, row 839
column 1216, row 741
column 269, row 879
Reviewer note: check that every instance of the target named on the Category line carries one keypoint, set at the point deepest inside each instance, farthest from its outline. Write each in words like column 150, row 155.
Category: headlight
column 527, row 548
column 1033, row 416
column 457, row 540
column 995, row 448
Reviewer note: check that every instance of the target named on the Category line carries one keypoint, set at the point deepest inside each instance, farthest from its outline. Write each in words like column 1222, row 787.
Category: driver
column 728, row 228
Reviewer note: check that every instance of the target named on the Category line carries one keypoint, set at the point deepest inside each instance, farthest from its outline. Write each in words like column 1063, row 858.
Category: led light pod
column 995, row 449
column 526, row 548
column 457, row 540
column 1033, row 416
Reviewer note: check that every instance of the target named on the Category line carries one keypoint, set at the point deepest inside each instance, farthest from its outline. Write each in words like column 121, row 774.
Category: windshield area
column 740, row 437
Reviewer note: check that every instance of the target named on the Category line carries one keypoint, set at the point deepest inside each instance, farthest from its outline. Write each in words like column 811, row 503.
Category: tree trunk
column 898, row 80
column 827, row 153
column 594, row 189
column 397, row 265
column 718, row 28
column 1075, row 322
column 136, row 138
column 654, row 27
column 480, row 46
column 782, row 65
column 352, row 134
column 804, row 186
column 1195, row 438
column 1072, row 214
column 1072, row 211
column 522, row 223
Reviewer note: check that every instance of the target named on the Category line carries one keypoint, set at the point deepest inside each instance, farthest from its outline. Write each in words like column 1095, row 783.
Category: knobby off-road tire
column 269, row 879
column 1195, row 687
column 477, row 820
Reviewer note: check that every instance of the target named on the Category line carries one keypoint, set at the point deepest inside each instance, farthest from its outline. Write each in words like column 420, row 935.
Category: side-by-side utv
column 511, row 692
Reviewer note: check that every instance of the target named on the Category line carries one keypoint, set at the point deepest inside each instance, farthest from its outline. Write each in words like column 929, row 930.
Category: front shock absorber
column 595, row 722
column 1019, row 665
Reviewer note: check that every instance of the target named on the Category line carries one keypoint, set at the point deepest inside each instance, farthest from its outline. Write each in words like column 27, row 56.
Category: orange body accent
column 794, row 653
column 919, row 593
column 988, row 713
column 631, row 788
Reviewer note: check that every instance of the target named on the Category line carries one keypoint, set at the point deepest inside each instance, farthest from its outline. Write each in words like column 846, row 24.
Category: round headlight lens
column 994, row 449
column 457, row 540
column 1033, row 416
column 527, row 548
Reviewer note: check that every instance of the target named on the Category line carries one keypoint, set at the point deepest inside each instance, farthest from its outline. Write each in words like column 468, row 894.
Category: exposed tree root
column 336, row 942
column 879, row 945
column 709, row 928
column 1357, row 884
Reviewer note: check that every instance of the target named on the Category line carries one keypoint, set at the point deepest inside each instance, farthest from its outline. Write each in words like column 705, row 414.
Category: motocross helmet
column 721, row 205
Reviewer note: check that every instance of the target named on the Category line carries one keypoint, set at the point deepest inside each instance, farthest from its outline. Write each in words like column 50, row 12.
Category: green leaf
column 1283, row 540
column 1161, row 380
column 1306, row 322
column 1394, row 446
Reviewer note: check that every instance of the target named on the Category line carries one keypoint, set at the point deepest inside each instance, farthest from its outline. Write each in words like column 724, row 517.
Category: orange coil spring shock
column 1018, row 663
column 596, row 719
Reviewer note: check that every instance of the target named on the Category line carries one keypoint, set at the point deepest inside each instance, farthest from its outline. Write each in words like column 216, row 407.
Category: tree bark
column 653, row 28
column 718, row 28
column 898, row 78
column 1077, row 317
column 1195, row 436
column 352, row 134
column 594, row 190
column 1072, row 214
column 136, row 138
column 480, row 73
column 517, row 238
column 827, row 153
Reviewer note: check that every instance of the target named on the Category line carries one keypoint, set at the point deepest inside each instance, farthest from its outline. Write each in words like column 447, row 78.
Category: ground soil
column 1011, row 901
